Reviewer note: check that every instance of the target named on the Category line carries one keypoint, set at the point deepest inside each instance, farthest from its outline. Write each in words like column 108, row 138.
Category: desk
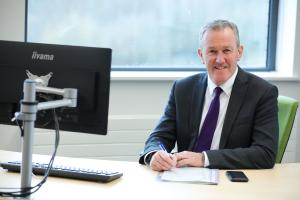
column 139, row 182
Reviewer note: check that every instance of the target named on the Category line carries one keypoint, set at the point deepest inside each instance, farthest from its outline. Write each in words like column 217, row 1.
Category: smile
column 220, row 67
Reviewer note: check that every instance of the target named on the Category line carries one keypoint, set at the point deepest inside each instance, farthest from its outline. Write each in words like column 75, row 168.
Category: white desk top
column 139, row 182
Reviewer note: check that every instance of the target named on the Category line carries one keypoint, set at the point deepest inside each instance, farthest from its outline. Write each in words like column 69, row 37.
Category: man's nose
column 220, row 58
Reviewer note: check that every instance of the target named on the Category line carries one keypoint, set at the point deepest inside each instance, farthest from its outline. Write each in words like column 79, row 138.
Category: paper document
column 192, row 174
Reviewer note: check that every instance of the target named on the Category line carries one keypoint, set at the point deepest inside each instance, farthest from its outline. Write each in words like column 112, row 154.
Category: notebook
column 192, row 174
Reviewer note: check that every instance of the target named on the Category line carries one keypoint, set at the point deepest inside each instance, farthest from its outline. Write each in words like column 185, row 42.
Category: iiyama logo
column 40, row 56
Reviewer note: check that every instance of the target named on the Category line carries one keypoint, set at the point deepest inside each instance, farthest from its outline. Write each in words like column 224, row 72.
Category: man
column 245, row 132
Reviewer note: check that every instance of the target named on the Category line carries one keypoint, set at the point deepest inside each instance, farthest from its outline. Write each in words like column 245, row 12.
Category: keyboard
column 66, row 171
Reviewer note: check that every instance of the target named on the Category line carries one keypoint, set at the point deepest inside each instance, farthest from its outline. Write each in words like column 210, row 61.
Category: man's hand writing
column 162, row 161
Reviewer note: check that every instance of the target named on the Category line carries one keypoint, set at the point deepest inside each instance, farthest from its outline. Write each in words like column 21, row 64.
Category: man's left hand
column 188, row 158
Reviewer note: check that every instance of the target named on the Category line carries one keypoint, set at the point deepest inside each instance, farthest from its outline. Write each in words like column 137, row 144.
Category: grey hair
column 220, row 25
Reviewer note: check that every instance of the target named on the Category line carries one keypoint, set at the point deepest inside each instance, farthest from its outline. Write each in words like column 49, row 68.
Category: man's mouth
column 220, row 67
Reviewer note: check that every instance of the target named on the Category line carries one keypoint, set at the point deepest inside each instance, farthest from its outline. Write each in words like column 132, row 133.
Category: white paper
column 192, row 174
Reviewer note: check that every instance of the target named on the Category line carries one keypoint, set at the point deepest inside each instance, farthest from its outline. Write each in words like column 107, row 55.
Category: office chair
column 287, row 108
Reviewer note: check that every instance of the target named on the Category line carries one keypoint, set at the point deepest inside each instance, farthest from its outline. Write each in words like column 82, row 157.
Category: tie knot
column 218, row 91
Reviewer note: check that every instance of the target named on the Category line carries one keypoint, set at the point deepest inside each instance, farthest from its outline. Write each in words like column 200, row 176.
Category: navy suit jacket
column 249, row 137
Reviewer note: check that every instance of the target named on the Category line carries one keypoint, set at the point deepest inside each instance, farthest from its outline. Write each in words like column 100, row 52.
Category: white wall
column 12, row 20
column 295, row 89
column 12, row 27
column 135, row 107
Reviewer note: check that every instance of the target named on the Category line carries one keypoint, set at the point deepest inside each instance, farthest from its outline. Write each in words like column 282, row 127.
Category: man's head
column 220, row 49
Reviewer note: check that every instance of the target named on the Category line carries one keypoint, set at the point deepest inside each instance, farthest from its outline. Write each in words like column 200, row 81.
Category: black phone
column 237, row 176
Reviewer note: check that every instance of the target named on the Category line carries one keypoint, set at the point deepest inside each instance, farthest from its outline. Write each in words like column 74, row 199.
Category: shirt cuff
column 146, row 159
column 206, row 161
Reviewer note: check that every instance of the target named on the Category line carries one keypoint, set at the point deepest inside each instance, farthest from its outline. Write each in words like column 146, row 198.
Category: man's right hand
column 162, row 161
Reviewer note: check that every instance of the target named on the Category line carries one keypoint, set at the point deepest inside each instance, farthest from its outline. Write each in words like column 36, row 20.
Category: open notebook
column 192, row 174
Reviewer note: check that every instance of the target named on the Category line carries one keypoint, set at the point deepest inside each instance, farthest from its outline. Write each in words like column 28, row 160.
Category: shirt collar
column 226, row 87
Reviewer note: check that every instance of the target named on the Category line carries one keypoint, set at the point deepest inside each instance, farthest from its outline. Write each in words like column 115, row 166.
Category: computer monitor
column 84, row 68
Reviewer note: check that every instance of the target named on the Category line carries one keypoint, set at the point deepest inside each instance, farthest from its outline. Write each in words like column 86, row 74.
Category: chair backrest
column 287, row 108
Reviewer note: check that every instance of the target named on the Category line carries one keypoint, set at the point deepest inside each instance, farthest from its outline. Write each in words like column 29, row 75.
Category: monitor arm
column 29, row 108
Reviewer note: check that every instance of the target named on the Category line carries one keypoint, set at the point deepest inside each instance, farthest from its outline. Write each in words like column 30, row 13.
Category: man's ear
column 240, row 52
column 200, row 54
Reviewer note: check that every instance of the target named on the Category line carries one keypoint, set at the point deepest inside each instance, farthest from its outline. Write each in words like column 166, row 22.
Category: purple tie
column 210, row 122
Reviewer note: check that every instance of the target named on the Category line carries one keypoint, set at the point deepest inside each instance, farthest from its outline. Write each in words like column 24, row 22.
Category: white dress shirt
column 224, row 99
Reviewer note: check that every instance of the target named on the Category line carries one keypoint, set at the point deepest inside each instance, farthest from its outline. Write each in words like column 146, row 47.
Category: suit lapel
column 196, row 108
column 238, row 94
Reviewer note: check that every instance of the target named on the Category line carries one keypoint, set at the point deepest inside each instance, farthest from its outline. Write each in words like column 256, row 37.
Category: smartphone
column 237, row 176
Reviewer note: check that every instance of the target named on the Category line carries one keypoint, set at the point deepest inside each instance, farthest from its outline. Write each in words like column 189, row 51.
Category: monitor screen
column 86, row 69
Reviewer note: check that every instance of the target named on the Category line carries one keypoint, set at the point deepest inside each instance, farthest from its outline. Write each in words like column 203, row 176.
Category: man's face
column 220, row 54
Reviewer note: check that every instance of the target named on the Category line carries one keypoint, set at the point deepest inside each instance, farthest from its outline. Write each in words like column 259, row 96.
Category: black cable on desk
column 23, row 192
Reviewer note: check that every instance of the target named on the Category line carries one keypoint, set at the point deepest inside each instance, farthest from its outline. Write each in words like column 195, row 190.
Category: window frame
column 270, row 55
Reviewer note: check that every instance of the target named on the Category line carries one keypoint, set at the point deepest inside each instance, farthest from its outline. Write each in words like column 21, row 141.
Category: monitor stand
column 29, row 108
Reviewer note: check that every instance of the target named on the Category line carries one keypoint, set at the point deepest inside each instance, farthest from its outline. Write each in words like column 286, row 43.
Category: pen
column 162, row 147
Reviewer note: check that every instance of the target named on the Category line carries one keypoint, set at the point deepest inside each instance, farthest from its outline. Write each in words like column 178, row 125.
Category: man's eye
column 212, row 51
column 227, row 50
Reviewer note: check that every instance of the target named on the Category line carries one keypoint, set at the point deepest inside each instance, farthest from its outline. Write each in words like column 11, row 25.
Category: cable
column 23, row 192
column 21, row 128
